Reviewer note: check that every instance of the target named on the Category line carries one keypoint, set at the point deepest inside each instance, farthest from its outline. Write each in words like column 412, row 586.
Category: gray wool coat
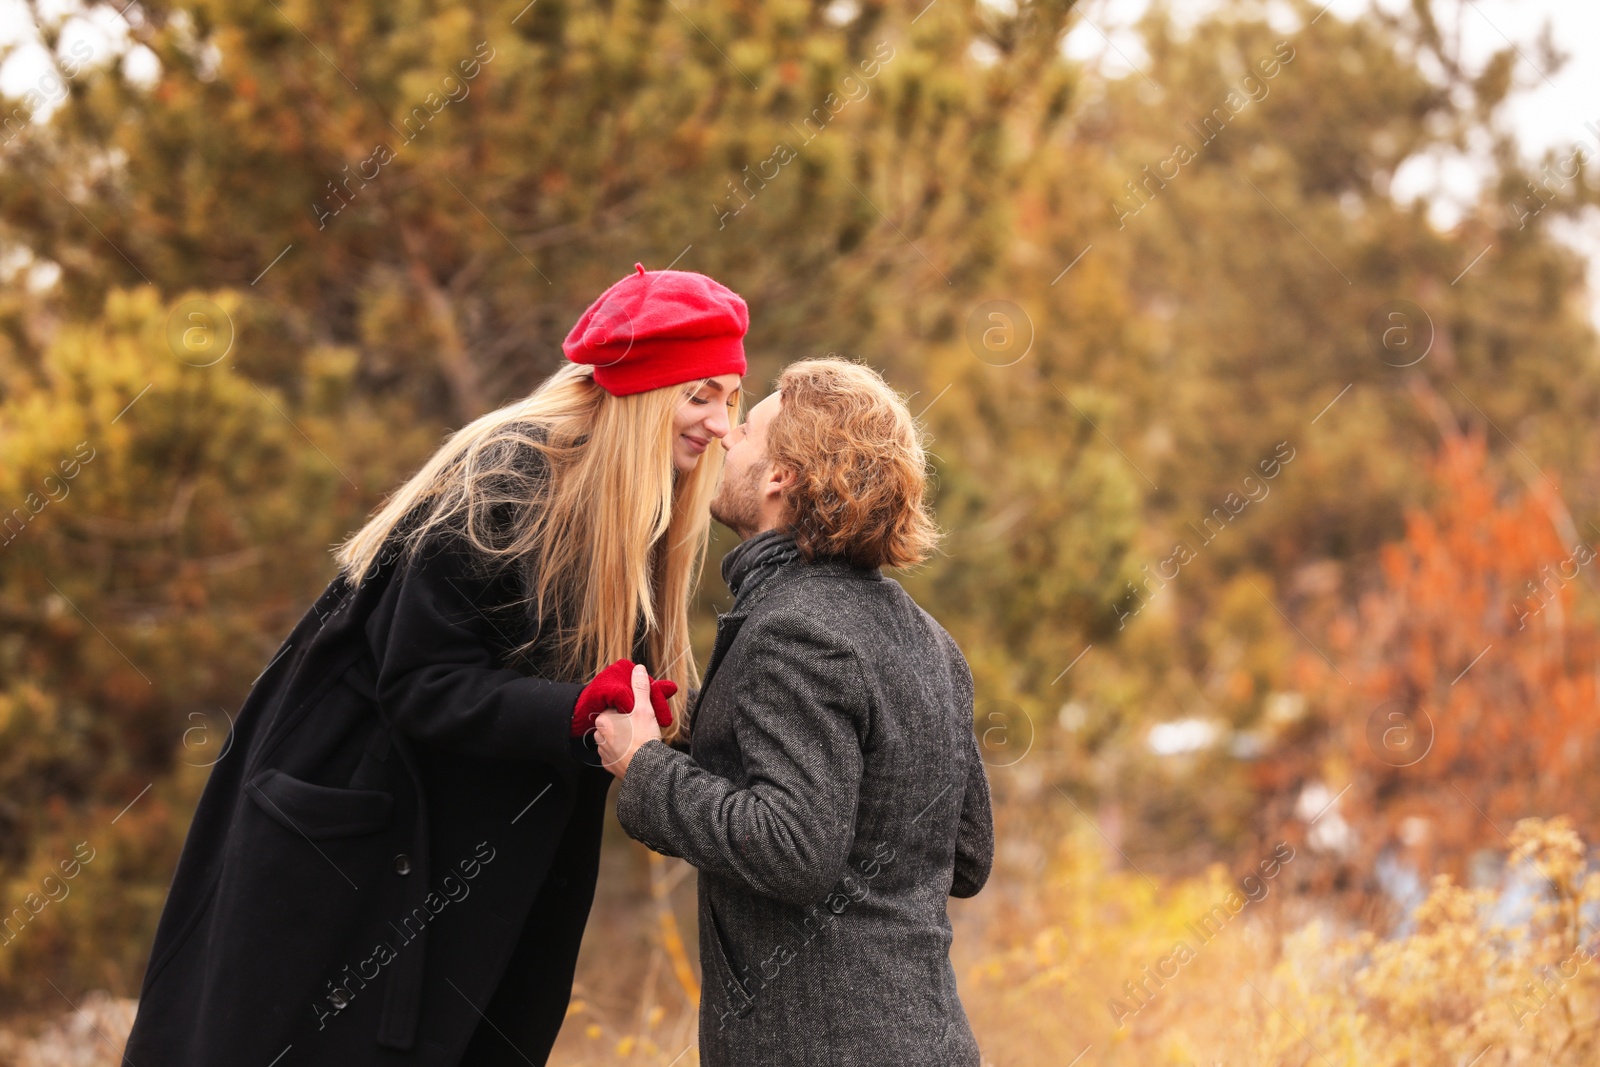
column 832, row 799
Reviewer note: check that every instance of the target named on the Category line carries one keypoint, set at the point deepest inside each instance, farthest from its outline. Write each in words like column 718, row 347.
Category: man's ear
column 777, row 482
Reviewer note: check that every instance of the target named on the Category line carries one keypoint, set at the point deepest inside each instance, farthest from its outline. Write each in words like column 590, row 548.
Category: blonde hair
column 585, row 527
column 859, row 463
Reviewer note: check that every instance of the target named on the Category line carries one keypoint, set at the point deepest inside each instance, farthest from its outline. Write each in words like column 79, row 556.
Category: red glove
column 613, row 688
column 660, row 690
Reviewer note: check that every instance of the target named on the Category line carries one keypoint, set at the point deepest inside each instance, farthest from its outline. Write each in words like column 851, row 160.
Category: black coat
column 400, row 841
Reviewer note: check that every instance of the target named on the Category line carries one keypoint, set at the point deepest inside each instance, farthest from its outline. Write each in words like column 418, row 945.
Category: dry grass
column 1053, row 954
column 92, row 1036
column 1283, row 985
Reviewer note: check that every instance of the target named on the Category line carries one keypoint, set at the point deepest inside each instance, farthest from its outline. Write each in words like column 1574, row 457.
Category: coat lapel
column 728, row 625
column 727, row 629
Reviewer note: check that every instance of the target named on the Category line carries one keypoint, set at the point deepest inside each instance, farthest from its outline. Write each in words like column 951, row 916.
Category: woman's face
column 704, row 417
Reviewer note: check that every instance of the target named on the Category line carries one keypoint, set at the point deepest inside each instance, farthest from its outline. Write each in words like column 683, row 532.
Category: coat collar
column 754, row 559
column 771, row 558
column 757, row 566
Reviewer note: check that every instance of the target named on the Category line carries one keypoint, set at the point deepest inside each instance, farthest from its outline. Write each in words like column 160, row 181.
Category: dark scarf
column 755, row 560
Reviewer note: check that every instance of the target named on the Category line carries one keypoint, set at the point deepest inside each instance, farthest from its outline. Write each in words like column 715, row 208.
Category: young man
column 832, row 796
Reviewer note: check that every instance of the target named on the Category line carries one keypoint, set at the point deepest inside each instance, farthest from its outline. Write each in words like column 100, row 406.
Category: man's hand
column 618, row 736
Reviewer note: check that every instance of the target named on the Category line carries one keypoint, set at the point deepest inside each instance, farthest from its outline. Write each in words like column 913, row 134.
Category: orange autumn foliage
column 1471, row 671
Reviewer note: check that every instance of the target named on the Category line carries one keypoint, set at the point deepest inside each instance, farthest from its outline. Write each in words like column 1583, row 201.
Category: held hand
column 662, row 690
column 619, row 736
column 612, row 688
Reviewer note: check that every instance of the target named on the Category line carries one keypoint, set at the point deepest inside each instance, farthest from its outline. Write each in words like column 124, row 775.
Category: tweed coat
column 832, row 799
column 401, row 840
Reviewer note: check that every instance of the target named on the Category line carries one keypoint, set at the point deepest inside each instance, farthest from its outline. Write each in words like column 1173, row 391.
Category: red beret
column 660, row 327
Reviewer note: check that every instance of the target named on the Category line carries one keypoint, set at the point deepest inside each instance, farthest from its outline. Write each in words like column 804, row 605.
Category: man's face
column 739, row 500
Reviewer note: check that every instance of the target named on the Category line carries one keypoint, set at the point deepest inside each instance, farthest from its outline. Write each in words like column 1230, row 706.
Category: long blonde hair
column 604, row 530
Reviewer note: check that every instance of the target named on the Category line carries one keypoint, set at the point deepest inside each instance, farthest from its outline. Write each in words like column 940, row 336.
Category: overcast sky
column 1552, row 113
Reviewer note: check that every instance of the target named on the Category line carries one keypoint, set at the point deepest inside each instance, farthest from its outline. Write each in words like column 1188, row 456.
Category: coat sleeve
column 975, row 831
column 440, row 674
column 787, row 833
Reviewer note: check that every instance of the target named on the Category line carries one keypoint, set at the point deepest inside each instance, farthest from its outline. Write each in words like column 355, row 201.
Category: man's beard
column 736, row 505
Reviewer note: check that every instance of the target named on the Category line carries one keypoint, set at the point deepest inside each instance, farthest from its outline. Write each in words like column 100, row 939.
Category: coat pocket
column 735, row 986
column 319, row 811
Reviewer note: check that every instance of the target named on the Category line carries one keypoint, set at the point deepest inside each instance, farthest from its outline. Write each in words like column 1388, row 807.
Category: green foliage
column 166, row 525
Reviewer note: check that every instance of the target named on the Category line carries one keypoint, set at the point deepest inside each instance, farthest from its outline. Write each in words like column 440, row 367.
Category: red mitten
column 660, row 690
column 611, row 688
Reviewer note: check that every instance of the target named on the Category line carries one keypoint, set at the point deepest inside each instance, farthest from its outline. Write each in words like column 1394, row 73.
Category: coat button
column 339, row 1000
column 402, row 864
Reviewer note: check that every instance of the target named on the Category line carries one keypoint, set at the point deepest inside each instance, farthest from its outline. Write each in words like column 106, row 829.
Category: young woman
column 395, row 860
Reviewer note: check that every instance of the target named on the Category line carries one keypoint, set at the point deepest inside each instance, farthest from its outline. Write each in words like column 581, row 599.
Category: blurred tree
column 448, row 186
column 163, row 521
column 1471, row 674
column 1201, row 254
column 400, row 212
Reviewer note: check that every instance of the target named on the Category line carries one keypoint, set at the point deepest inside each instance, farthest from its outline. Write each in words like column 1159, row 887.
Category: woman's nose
column 717, row 423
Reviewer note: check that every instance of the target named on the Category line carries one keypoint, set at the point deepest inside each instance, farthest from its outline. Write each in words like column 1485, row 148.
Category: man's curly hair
column 859, row 463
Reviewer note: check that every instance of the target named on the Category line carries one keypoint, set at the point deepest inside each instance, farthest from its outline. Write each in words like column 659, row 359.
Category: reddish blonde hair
column 859, row 463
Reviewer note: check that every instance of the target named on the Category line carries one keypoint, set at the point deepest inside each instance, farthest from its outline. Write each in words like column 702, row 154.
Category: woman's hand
column 620, row 735
column 612, row 688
